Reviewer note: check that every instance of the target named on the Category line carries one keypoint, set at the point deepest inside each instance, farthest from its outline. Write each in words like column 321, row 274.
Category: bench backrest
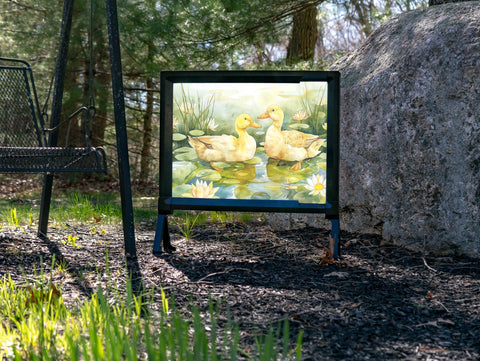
column 21, row 124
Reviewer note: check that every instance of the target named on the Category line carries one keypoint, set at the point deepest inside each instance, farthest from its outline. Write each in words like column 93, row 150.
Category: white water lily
column 316, row 184
column 300, row 115
column 203, row 190
column 211, row 124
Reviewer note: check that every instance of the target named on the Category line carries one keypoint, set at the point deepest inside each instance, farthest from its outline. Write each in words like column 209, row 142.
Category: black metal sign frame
column 167, row 202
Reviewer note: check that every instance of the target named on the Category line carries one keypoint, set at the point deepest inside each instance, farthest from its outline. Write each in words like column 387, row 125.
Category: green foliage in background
column 174, row 35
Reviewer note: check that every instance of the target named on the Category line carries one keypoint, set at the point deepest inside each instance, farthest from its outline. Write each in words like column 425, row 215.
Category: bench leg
column 336, row 237
column 45, row 205
column 162, row 237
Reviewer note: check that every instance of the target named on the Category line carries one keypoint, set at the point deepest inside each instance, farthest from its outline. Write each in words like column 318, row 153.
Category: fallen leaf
column 328, row 257
column 42, row 296
column 446, row 322
column 337, row 274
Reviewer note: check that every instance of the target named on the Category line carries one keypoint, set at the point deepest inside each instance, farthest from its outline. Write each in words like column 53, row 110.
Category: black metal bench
column 27, row 145
column 24, row 97
column 23, row 132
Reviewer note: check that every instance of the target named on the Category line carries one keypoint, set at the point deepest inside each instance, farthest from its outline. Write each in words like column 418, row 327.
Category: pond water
column 259, row 178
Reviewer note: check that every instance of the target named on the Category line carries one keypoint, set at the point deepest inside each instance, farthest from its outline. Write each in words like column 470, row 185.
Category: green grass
column 84, row 208
column 70, row 209
column 15, row 217
column 36, row 324
column 187, row 221
column 106, row 209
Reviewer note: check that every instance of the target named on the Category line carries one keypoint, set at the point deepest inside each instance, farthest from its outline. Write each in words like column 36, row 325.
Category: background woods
column 180, row 35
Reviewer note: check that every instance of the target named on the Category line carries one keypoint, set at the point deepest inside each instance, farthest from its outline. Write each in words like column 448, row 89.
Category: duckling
column 289, row 145
column 227, row 148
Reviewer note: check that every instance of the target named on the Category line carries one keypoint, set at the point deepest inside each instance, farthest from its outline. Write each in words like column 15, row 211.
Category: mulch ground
column 375, row 303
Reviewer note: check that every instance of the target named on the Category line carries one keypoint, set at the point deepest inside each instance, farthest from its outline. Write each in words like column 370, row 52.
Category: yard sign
column 256, row 141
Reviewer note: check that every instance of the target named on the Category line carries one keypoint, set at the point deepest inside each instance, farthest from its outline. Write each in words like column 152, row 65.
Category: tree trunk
column 363, row 15
column 147, row 134
column 70, row 133
column 304, row 36
column 101, row 80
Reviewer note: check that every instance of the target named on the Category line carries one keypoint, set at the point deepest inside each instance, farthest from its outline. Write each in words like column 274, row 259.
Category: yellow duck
column 289, row 145
column 227, row 148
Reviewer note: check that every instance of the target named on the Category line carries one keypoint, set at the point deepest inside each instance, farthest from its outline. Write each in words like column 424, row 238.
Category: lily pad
column 275, row 191
column 242, row 192
column 177, row 137
column 238, row 166
column 244, row 174
column 321, row 164
column 186, row 155
column 221, row 165
column 209, row 174
column 230, row 181
column 183, row 190
column 260, row 195
column 254, row 160
column 299, row 126
column 281, row 172
column 181, row 171
column 196, row 132
column 305, row 197
column 183, row 150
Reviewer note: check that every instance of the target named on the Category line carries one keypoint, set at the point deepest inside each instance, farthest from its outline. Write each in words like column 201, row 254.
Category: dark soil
column 375, row 303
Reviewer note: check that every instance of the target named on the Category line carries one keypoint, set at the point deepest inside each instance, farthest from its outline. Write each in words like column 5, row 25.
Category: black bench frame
column 120, row 122
column 24, row 145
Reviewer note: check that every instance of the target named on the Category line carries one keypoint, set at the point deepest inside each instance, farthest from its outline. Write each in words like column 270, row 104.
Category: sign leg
column 162, row 242
column 336, row 236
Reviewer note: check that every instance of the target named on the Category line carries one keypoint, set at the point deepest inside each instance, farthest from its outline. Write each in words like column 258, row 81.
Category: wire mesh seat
column 23, row 135
column 51, row 159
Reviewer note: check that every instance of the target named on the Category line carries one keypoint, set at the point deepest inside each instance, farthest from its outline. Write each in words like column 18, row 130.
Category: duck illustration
column 227, row 148
column 289, row 145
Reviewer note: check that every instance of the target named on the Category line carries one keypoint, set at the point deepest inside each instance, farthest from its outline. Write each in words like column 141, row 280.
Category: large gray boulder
column 410, row 131
column 410, row 138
